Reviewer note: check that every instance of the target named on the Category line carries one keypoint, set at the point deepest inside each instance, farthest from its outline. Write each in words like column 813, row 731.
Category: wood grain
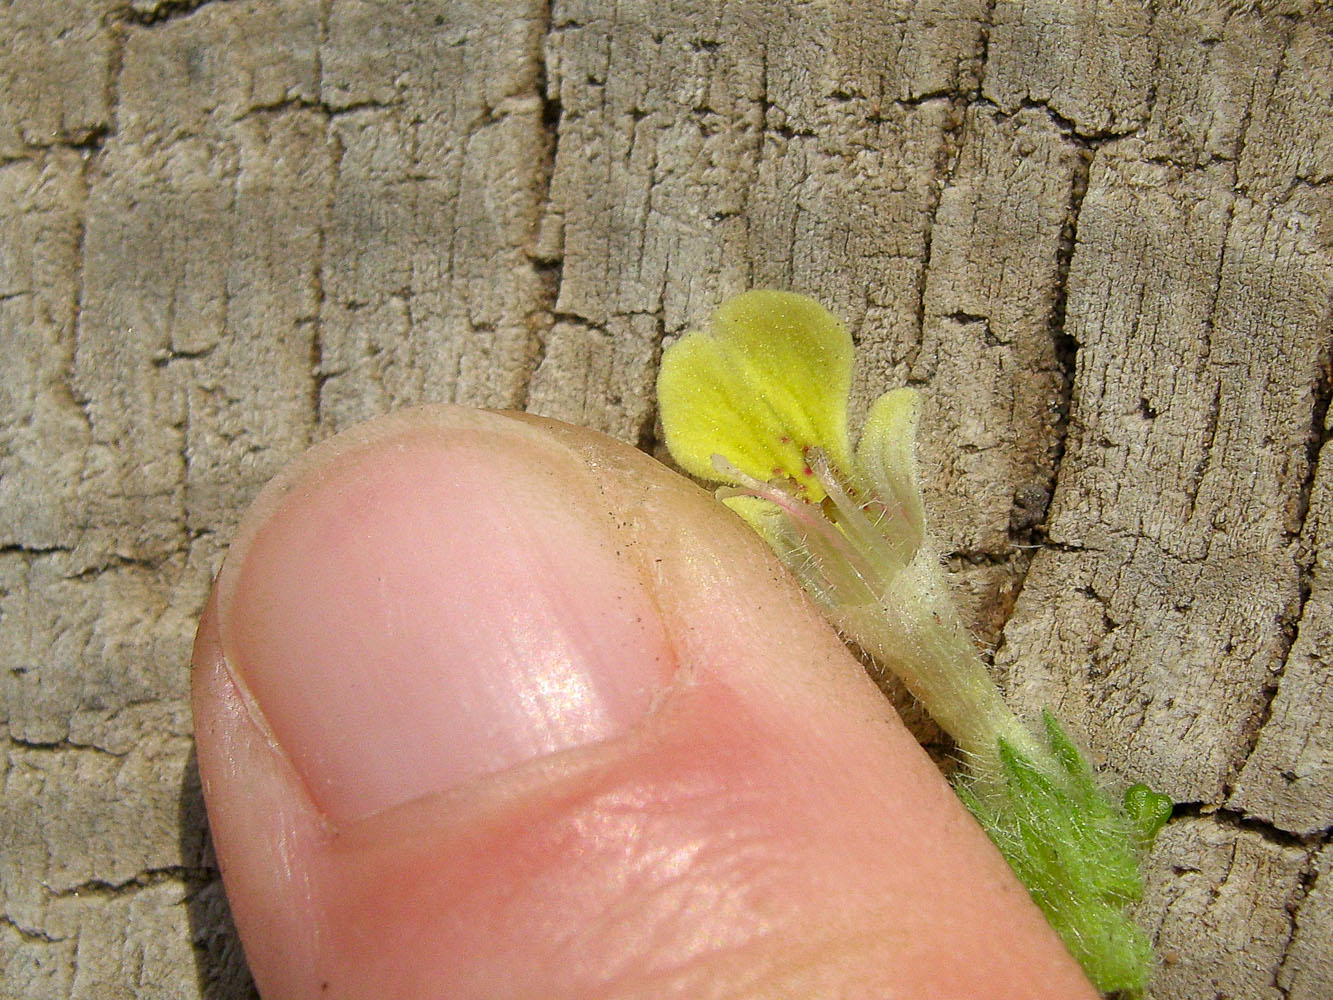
column 1097, row 236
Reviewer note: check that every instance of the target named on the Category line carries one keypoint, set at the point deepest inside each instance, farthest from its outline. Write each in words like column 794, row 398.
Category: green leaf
column 1147, row 811
column 1076, row 850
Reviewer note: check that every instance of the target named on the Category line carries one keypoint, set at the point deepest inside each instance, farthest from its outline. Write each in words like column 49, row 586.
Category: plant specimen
column 758, row 402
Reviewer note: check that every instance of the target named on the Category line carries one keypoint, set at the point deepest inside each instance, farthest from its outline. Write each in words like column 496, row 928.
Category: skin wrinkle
column 621, row 825
column 697, row 888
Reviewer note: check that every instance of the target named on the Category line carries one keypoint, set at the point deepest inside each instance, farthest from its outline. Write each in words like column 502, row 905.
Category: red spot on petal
column 777, row 470
column 809, row 471
column 784, row 439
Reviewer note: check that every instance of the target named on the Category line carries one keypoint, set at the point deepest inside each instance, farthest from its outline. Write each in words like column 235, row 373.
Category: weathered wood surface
column 1099, row 236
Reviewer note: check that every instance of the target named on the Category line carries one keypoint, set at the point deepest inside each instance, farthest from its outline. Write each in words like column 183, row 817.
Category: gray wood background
column 1097, row 235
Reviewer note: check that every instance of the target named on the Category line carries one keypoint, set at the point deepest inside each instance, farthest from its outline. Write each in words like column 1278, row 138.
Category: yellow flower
column 759, row 401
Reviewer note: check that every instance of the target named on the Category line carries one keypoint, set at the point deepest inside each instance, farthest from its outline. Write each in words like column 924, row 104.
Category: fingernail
column 439, row 604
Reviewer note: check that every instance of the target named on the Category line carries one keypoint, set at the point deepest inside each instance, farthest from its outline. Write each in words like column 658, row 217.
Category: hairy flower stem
column 868, row 563
column 759, row 403
column 916, row 633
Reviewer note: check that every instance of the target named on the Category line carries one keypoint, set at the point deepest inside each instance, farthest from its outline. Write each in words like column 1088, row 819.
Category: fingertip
column 264, row 828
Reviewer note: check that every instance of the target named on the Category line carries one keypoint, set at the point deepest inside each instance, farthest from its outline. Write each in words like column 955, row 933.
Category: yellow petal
column 886, row 457
column 766, row 382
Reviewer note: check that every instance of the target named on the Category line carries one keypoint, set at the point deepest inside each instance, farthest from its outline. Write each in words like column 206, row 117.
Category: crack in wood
column 1240, row 820
column 546, row 261
column 1319, row 435
column 63, row 745
column 30, row 935
column 150, row 14
column 192, row 877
